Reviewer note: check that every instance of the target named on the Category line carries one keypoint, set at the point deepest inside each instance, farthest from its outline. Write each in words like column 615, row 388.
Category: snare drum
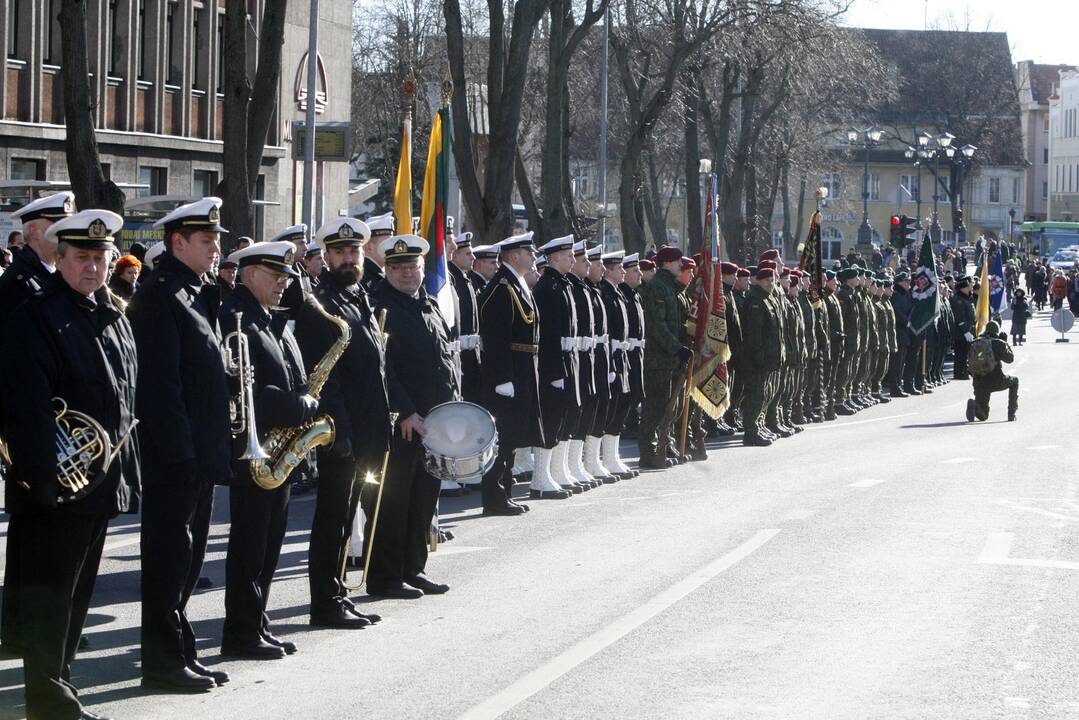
column 461, row 442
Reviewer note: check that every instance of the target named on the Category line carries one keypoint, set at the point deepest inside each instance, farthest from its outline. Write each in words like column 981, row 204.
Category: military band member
column 664, row 357
column 381, row 227
column 509, row 331
column 294, row 297
column 460, row 268
column 70, row 342
column 313, row 262
column 619, row 327
column 259, row 516
column 355, row 398
column 586, row 379
column 421, row 374
column 184, row 435
column 226, row 277
column 150, row 261
column 558, row 373
column 30, row 272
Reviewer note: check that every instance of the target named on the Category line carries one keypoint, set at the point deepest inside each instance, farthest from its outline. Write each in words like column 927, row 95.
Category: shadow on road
column 955, row 423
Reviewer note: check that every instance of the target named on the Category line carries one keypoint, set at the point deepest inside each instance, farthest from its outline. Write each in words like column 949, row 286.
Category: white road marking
column 1042, row 447
column 857, row 422
column 117, row 544
column 447, row 549
column 998, row 548
column 1037, row 511
column 956, row 461
column 535, row 681
column 867, row 483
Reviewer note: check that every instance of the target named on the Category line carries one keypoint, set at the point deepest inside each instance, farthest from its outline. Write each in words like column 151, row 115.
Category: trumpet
column 242, row 404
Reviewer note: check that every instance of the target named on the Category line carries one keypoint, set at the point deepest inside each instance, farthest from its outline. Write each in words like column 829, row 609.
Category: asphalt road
column 900, row 563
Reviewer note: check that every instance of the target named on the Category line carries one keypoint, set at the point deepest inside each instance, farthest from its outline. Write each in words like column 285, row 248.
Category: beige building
column 1037, row 84
column 1064, row 149
column 157, row 77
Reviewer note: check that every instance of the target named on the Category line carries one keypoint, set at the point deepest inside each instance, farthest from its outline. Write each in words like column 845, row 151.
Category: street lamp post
column 962, row 162
column 866, row 139
column 916, row 194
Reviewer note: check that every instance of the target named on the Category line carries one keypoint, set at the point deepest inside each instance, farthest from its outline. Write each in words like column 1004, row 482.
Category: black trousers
column 340, row 481
column 587, row 417
column 470, row 377
column 175, row 524
column 497, row 485
column 984, row 387
column 603, row 408
column 409, row 499
column 624, row 403
column 60, row 557
column 259, row 518
column 959, row 366
column 553, row 403
column 10, row 627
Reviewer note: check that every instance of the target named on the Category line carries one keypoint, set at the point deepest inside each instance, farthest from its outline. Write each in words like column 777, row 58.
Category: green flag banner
column 924, row 289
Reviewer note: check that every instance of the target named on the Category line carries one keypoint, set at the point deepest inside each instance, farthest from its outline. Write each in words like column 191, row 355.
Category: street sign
column 1062, row 322
column 333, row 141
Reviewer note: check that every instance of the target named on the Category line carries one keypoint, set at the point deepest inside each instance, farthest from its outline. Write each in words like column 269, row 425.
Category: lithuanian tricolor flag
column 436, row 185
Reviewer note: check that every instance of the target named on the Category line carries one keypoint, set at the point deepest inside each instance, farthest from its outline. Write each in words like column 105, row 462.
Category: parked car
column 1064, row 260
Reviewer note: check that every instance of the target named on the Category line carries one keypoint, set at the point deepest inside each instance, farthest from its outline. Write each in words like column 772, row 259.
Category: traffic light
column 902, row 231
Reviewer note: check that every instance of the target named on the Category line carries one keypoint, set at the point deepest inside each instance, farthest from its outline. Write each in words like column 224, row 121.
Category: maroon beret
column 772, row 254
column 646, row 265
column 796, row 273
column 728, row 268
column 743, row 272
column 689, row 264
column 668, row 254
column 770, row 264
column 765, row 273
column 785, row 272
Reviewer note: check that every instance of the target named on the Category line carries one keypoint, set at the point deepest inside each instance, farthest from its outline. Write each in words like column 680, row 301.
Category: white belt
column 455, row 346
column 585, row 343
column 600, row 339
column 569, row 344
column 469, row 342
column 635, row 344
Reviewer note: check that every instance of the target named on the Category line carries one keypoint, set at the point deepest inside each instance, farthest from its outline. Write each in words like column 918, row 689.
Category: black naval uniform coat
column 557, row 328
column 373, row 275
column 186, row 444
column 26, row 276
column 258, row 516
column 420, row 376
column 635, row 318
column 356, row 399
column 585, row 331
column 62, row 344
column 468, row 325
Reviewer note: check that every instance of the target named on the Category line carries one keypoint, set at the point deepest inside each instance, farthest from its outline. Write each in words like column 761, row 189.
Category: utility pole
column 602, row 225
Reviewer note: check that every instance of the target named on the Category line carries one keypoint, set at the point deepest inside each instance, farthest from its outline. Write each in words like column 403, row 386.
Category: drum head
column 458, row 430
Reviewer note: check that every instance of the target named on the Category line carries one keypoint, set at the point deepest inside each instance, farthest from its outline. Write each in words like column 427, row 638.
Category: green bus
column 1045, row 238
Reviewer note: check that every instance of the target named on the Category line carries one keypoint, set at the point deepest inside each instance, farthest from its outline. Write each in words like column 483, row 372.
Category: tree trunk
column 788, row 236
column 555, row 223
column 92, row 190
column 237, row 212
column 528, row 198
column 657, row 223
column 633, row 239
column 267, row 77
column 464, row 155
column 692, row 166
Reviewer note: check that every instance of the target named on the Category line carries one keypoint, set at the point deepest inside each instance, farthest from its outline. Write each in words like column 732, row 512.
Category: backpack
column 981, row 360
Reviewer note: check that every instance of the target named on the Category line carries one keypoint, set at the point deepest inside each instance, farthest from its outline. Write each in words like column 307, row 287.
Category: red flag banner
column 711, row 384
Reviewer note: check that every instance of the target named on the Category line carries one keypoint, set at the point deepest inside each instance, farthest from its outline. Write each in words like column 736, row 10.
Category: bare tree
column 246, row 124
column 88, row 182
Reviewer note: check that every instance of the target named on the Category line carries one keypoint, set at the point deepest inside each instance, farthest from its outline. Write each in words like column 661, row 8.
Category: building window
column 1045, row 156
column 198, row 62
column 154, row 178
column 220, row 52
column 15, row 8
column 174, row 51
column 994, row 190
column 1015, row 190
column 1045, row 190
column 913, row 185
column 1045, row 123
column 52, row 33
column 834, row 183
column 110, row 46
column 947, row 237
column 204, row 183
column 874, row 186
column 832, row 245
column 144, row 40
column 106, row 170
column 27, row 169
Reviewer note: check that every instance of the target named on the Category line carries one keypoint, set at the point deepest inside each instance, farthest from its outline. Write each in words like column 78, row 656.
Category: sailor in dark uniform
column 484, row 266
column 313, row 263
column 355, row 398
column 509, row 332
column 460, row 267
column 420, row 375
column 586, row 361
column 558, row 369
column 294, row 295
column 618, row 332
column 183, row 405
column 381, row 227
column 258, row 515
column 68, row 342
column 603, row 370
column 29, row 273
column 635, row 314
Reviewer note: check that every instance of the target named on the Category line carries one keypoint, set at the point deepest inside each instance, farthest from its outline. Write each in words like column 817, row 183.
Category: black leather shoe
column 724, row 430
column 698, row 454
column 351, row 607
column 756, row 441
column 514, row 503
column 427, row 586
column 610, row 479
column 179, row 680
column 970, row 410
column 652, row 462
column 549, row 494
column 396, row 592
column 844, row 410
column 255, row 650
column 1011, row 416
column 506, row 509
column 218, row 676
column 339, row 618
column 572, row 489
column 287, row 646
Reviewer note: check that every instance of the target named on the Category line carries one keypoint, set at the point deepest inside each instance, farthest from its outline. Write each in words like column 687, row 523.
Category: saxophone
column 288, row 446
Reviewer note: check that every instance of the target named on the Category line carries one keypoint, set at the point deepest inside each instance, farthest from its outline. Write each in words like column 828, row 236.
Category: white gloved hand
column 610, row 378
column 968, row 337
column 560, row 384
column 505, row 390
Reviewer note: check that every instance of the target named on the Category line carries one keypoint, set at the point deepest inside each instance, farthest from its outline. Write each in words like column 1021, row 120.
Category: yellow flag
column 982, row 316
column 402, row 190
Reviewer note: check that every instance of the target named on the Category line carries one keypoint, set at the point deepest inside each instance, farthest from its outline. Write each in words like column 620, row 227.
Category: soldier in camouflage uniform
column 883, row 351
column 796, row 349
column 772, row 422
column 729, row 274
column 741, row 287
column 762, row 340
column 809, row 403
column 834, row 314
column 852, row 339
column 695, row 433
column 665, row 357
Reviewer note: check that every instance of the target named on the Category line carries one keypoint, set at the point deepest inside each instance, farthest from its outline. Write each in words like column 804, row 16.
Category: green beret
column 752, row 270
column 829, row 274
column 847, row 273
